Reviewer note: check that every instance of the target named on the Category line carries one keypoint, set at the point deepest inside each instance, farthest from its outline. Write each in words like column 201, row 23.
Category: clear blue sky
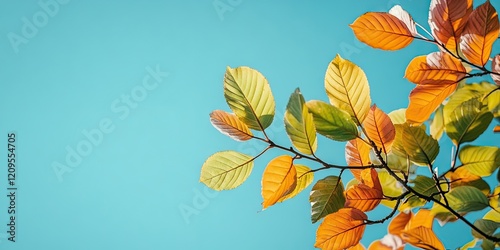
column 146, row 74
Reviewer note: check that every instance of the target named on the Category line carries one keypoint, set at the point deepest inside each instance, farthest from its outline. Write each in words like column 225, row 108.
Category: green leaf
column 463, row 199
column 332, row 122
column 423, row 185
column 437, row 124
column 421, row 148
column 249, row 96
column 299, row 124
column 480, row 160
column 327, row 196
column 490, row 245
column 303, row 181
column 467, row 121
column 487, row 226
column 390, row 188
column 461, row 95
column 226, row 170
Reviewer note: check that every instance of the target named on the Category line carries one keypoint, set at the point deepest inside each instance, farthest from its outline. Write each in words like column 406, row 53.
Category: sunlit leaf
column 299, row 124
column 480, row 160
column 390, row 188
column 398, row 223
column 435, row 68
column 379, row 128
column 462, row 177
column 382, row 30
column 423, row 185
column 469, row 245
column 425, row 99
column 341, row 229
column 398, row 116
column 369, row 177
column 447, row 19
column 332, row 122
column 422, row 218
column 462, row 199
column 468, row 121
column 486, row 226
column 226, row 170
column 357, row 153
column 363, row 197
column 304, row 179
column 230, row 125
column 480, row 33
column 405, row 17
column 347, row 88
column 495, row 67
column 422, row 237
column 327, row 196
column 421, row 148
column 492, row 215
column 437, row 124
column 279, row 179
column 249, row 96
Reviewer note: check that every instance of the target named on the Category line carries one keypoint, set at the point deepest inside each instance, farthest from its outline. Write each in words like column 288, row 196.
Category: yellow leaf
column 278, row 180
column 363, row 197
column 357, row 153
column 435, row 68
column 379, row 128
column 447, row 19
column 347, row 88
column 399, row 223
column 425, row 99
column 480, row 33
column 230, row 125
column 304, row 179
column 422, row 237
column 382, row 30
column 341, row 229
column 369, row 177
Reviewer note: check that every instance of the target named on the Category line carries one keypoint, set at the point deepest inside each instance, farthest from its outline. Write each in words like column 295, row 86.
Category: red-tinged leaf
column 447, row 19
column 495, row 67
column 480, row 33
column 363, row 197
column 425, row 99
column 435, row 68
column 341, row 229
column 357, row 153
column 230, row 125
column 379, row 128
column 422, row 237
column 278, row 180
column 405, row 17
column 382, row 30
column 399, row 223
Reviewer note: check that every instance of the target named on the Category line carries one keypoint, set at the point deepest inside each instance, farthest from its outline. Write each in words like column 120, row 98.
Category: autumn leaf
column 369, row 177
column 399, row 223
column 357, row 153
column 347, row 88
column 480, row 33
column 405, row 17
column 230, row 125
column 341, row 229
column 304, row 179
column 327, row 196
column 435, row 68
column 462, row 177
column 363, row 197
column 425, row 99
column 279, row 179
column 422, row 237
column 447, row 19
column 382, row 30
column 226, row 170
column 379, row 128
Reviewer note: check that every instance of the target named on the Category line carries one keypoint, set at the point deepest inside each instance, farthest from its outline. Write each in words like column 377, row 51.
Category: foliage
column 382, row 150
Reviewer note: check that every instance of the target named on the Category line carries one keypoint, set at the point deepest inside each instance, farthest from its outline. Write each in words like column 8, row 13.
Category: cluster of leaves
column 382, row 150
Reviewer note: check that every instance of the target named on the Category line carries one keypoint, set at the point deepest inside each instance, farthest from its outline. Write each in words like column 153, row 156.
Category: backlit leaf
column 279, row 179
column 398, row 223
column 230, row 125
column 423, row 238
column 332, row 122
column 357, row 153
column 226, row 170
column 468, row 121
column 363, row 197
column 435, row 68
column 398, row 116
column 390, row 188
column 304, row 179
column 447, row 19
column 425, row 99
column 463, row 199
column 341, row 229
column 405, row 17
column 462, row 177
column 327, row 196
column 299, row 124
column 423, row 185
column 382, row 30
column 480, row 160
column 437, row 124
column 347, row 88
column 249, row 96
column 421, row 148
column 379, row 128
column 480, row 33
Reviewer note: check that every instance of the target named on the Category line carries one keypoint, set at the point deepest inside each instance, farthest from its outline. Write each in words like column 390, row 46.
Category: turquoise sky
column 128, row 86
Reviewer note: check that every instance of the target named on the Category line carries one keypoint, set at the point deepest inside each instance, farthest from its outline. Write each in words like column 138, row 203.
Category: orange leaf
column 447, row 19
column 358, row 246
column 379, row 128
column 461, row 176
column 422, row 237
column 357, row 153
column 423, row 218
column 369, row 177
column 341, row 229
column 405, row 17
column 480, row 33
column 363, row 197
column 435, row 68
column 279, row 179
column 230, row 125
column 382, row 30
column 496, row 129
column 495, row 67
column 425, row 99
column 399, row 222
